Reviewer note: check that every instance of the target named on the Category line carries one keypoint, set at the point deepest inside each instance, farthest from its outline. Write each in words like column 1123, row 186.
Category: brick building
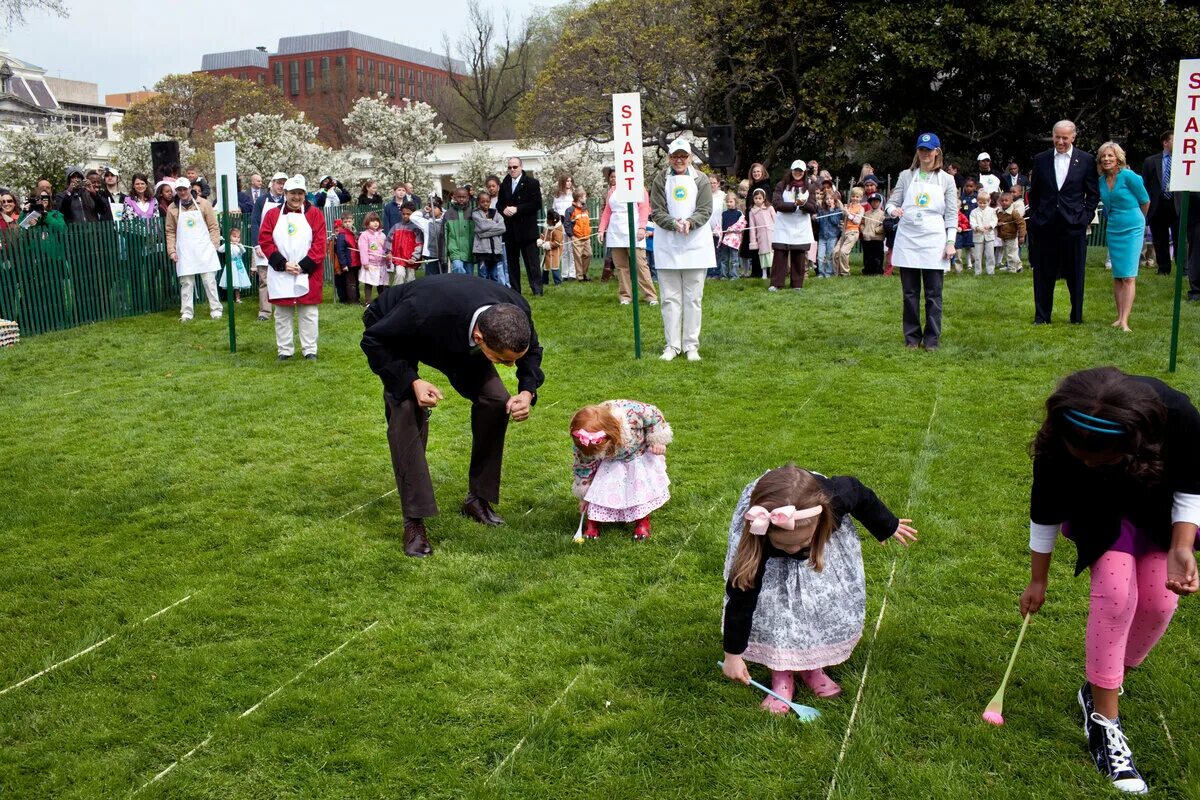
column 323, row 73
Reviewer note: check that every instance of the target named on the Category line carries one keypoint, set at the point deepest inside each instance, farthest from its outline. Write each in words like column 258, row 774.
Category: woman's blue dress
column 1126, row 222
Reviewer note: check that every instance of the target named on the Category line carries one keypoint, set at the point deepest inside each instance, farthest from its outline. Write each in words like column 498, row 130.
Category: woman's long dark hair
column 147, row 196
column 1106, row 393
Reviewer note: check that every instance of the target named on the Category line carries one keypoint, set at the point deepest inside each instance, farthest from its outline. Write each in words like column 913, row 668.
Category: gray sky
column 144, row 40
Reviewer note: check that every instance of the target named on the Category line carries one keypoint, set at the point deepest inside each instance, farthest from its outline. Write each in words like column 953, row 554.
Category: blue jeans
column 729, row 263
column 462, row 267
column 825, row 249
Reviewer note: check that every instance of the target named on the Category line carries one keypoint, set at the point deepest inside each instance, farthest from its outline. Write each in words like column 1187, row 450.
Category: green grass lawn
column 143, row 463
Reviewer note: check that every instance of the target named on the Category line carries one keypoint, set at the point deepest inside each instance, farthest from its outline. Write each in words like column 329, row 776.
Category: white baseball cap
column 678, row 145
column 182, row 183
column 295, row 182
column 799, row 163
column 983, row 157
column 279, row 176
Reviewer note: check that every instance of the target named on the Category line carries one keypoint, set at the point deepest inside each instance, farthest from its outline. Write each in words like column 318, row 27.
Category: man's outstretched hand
column 518, row 406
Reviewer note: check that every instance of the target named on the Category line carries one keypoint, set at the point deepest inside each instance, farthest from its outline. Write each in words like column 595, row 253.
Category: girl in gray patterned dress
column 795, row 591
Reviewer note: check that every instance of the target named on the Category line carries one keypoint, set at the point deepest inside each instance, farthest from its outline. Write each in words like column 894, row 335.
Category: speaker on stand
column 721, row 152
column 165, row 157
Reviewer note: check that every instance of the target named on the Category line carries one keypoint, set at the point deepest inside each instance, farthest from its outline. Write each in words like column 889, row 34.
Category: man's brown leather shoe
column 479, row 510
column 416, row 544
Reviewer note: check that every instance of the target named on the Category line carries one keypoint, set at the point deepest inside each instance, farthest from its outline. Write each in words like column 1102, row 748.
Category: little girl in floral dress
column 620, row 471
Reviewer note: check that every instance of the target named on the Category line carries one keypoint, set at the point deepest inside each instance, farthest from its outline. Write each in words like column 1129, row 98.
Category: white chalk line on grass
column 96, row 646
column 914, row 486
column 167, row 770
column 1170, row 739
column 364, row 505
column 68, row 394
column 616, row 621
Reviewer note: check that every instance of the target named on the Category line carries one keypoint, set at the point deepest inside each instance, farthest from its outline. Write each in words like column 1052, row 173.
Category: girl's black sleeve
column 739, row 611
column 851, row 496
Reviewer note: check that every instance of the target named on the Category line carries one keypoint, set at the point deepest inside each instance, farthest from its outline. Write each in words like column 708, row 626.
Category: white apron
column 674, row 250
column 193, row 247
column 921, row 234
column 293, row 237
column 267, row 206
column 617, row 233
column 118, row 211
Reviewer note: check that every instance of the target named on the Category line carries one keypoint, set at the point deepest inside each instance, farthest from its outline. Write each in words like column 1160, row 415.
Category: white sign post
column 631, row 185
column 1185, row 173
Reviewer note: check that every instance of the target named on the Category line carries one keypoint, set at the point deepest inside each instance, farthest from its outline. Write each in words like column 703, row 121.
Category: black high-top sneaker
column 1114, row 759
column 1088, row 705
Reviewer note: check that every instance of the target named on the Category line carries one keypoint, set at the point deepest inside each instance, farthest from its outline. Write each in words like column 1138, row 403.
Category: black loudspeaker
column 721, row 152
column 165, row 157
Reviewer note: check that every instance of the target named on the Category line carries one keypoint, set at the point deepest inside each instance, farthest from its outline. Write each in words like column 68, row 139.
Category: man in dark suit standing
column 248, row 198
column 520, row 201
column 463, row 326
column 1013, row 181
column 1064, row 189
column 1162, row 216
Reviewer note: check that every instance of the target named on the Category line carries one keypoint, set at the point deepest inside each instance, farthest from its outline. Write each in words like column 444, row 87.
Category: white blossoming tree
column 584, row 163
column 478, row 162
column 42, row 153
column 270, row 143
column 397, row 140
column 132, row 155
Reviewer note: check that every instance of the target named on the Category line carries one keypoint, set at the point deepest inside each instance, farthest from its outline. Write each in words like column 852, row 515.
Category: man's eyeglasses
column 8, row 202
column 515, row 167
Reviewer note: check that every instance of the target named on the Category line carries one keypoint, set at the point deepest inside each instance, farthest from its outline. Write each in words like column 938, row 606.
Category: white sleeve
column 1042, row 537
column 1186, row 508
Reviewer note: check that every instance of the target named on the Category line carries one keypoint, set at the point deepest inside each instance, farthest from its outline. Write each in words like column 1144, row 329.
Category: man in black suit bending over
column 463, row 326
column 1064, row 189
column 519, row 201
column 1162, row 216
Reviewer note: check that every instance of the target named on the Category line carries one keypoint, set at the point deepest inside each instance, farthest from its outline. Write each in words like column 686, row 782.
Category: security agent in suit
column 520, row 201
column 462, row 326
column 1163, row 214
column 1064, row 189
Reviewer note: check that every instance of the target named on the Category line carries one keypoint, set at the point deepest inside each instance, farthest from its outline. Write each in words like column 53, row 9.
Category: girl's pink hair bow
column 784, row 517
column 588, row 438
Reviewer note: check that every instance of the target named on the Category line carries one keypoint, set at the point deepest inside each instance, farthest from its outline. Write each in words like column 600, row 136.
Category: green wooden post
column 633, row 282
column 1181, row 259
column 229, row 290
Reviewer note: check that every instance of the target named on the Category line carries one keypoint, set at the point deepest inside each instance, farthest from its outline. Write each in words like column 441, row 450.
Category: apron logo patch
column 291, row 229
column 923, row 199
column 680, row 193
column 191, row 223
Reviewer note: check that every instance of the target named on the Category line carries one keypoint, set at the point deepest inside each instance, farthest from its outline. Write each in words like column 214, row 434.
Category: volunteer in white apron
column 293, row 240
column 614, row 229
column 192, row 238
column 795, row 203
column 272, row 198
column 112, row 194
column 925, row 201
column 681, row 205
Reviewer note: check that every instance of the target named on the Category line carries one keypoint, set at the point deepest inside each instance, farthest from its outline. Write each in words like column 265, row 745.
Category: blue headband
column 1097, row 424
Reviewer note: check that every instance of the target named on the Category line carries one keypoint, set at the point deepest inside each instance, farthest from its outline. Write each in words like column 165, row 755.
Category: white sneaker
column 624, row 302
column 669, row 353
column 653, row 302
column 185, row 319
column 693, row 355
column 772, row 289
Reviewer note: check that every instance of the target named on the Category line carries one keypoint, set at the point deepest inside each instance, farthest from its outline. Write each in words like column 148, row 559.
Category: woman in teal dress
column 1125, row 200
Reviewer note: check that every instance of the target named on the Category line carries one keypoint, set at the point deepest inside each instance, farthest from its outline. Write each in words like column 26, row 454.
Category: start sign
column 1185, row 158
column 627, row 147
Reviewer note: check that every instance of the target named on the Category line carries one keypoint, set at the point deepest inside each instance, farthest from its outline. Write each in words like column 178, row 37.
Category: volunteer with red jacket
column 292, row 238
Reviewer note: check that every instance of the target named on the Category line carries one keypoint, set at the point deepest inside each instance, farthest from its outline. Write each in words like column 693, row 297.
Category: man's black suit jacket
column 521, row 227
column 1152, row 175
column 428, row 321
column 1074, row 205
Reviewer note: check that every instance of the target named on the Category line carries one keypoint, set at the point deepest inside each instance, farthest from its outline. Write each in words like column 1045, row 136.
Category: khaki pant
column 187, row 289
column 581, row 250
column 264, row 305
column 403, row 275
column 682, row 299
column 620, row 256
column 841, row 252
column 1012, row 254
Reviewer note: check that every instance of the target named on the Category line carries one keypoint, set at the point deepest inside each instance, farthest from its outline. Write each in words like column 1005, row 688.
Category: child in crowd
column 581, row 236
column 1010, row 228
column 489, row 237
column 983, row 225
column 649, row 249
column 407, row 243
column 435, row 245
column 964, row 244
column 235, row 262
column 1115, row 469
column 829, row 228
column 349, row 262
column 969, row 198
column 762, row 226
column 792, row 544
column 850, row 232
column 714, row 222
column 872, row 235
column 459, row 233
column 744, row 203
column 373, row 256
column 552, row 243
column 620, row 471
column 500, row 275
column 732, row 225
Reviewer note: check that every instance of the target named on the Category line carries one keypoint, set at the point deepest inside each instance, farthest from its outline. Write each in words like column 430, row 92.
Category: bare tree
column 13, row 12
column 498, row 72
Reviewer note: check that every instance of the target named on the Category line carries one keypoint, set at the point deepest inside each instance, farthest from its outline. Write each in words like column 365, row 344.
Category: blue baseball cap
column 929, row 141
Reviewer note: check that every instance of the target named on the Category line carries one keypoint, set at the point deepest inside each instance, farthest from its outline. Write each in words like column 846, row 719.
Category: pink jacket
column 732, row 236
column 762, row 228
column 378, row 256
column 643, row 212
